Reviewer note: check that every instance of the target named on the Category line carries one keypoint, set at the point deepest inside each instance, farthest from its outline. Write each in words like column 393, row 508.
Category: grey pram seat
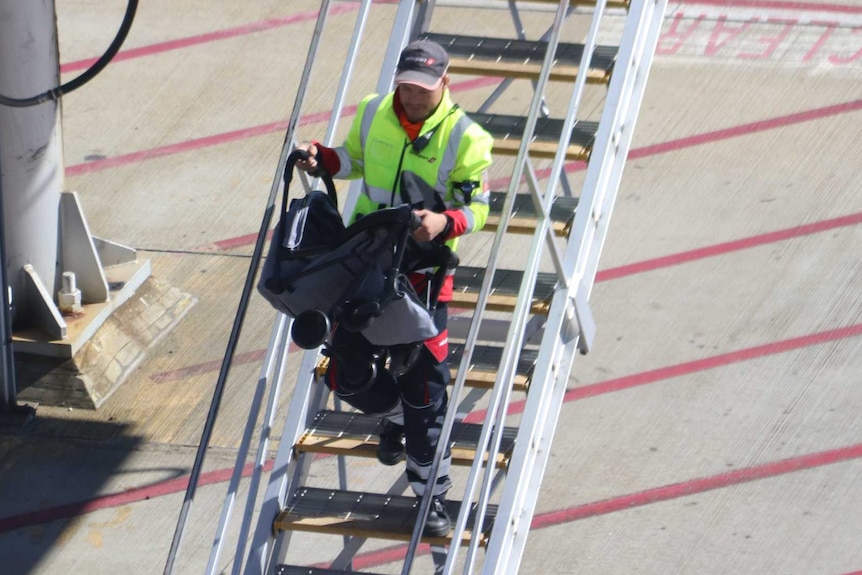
column 324, row 274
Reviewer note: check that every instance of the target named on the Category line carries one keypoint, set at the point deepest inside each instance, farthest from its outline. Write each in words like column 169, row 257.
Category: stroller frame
column 354, row 277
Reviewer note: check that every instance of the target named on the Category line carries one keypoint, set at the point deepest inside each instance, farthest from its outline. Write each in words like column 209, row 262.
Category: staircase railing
column 570, row 326
column 567, row 329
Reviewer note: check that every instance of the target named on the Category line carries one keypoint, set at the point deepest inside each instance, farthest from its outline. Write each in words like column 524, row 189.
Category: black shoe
column 438, row 523
column 390, row 450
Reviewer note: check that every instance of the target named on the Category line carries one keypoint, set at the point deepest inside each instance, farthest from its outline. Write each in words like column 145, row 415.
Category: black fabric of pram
column 353, row 275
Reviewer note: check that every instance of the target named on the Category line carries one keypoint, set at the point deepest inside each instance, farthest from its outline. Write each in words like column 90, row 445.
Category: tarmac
column 714, row 428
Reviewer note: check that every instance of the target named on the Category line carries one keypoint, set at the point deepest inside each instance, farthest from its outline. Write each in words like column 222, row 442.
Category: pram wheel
column 359, row 317
column 359, row 382
column 402, row 357
column 310, row 329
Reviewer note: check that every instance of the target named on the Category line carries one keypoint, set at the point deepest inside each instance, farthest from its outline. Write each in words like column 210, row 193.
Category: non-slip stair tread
column 345, row 432
column 302, row 570
column 346, row 423
column 504, row 289
column 505, row 281
column 562, row 208
column 521, row 58
column 372, row 515
column 610, row 3
column 483, row 371
column 506, row 125
column 508, row 130
column 485, row 362
column 488, row 358
column 524, row 219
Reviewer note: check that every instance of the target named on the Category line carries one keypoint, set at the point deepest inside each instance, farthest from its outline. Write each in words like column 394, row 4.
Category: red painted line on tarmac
column 727, row 247
column 720, row 360
column 174, row 485
column 280, row 126
column 773, row 5
column 199, row 39
column 699, row 485
column 605, row 275
column 562, row 516
column 658, row 494
column 273, row 23
column 210, row 366
column 226, row 137
column 689, row 367
column 188, row 145
column 138, row 494
column 237, row 242
column 746, row 129
column 681, row 257
column 716, row 136
column 382, row 556
column 673, row 259
column 205, row 367
column 645, row 151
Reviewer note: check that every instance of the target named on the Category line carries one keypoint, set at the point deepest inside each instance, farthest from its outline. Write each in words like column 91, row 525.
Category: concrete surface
column 714, row 428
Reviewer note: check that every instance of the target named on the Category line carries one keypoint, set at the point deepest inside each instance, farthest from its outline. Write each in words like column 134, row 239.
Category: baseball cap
column 423, row 63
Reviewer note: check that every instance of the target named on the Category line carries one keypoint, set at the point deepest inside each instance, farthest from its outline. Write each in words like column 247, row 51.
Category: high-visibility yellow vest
column 454, row 158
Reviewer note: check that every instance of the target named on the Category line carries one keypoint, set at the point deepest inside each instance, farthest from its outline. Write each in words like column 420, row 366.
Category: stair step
column 351, row 433
column 509, row 58
column 302, row 570
column 610, row 4
column 483, row 370
column 367, row 515
column 508, row 132
column 504, row 289
column 486, row 361
column 524, row 220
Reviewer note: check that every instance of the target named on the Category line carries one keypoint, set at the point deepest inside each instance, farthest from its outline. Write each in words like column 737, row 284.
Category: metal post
column 31, row 151
column 10, row 412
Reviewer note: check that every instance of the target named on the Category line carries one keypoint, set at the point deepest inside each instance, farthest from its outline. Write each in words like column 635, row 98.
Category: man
column 417, row 128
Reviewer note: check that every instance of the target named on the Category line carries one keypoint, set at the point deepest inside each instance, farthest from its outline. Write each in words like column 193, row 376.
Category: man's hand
column 431, row 227
column 309, row 165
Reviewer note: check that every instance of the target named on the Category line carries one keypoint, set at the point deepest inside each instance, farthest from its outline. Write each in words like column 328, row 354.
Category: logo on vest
column 429, row 159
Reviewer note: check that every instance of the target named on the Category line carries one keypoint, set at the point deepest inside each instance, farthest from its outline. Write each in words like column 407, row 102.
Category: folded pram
column 323, row 273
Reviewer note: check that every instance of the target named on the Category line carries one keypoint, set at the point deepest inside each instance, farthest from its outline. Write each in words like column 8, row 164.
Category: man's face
column 418, row 102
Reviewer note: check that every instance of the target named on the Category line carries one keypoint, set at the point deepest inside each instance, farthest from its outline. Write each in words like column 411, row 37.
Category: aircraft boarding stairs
column 541, row 298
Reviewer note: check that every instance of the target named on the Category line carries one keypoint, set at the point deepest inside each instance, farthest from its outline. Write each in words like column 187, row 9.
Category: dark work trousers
column 421, row 392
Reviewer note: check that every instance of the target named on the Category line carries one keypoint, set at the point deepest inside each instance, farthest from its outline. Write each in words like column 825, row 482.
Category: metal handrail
column 245, row 298
column 266, row 375
column 284, row 465
column 289, row 464
column 335, row 117
column 564, row 328
column 218, row 392
column 285, row 472
column 10, row 411
column 280, row 349
column 492, row 426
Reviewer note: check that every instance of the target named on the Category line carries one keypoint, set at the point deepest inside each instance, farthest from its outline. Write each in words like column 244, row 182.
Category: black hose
column 89, row 74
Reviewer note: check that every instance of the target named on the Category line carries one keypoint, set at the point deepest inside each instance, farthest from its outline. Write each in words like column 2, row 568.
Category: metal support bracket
column 585, row 321
column 78, row 251
column 113, row 254
column 46, row 312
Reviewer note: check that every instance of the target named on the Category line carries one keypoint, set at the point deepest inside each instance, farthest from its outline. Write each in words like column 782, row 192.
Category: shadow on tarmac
column 48, row 483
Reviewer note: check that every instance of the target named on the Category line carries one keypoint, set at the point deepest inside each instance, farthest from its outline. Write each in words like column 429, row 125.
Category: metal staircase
column 542, row 299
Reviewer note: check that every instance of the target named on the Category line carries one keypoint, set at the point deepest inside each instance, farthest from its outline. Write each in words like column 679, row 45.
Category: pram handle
column 290, row 163
column 451, row 262
column 415, row 221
